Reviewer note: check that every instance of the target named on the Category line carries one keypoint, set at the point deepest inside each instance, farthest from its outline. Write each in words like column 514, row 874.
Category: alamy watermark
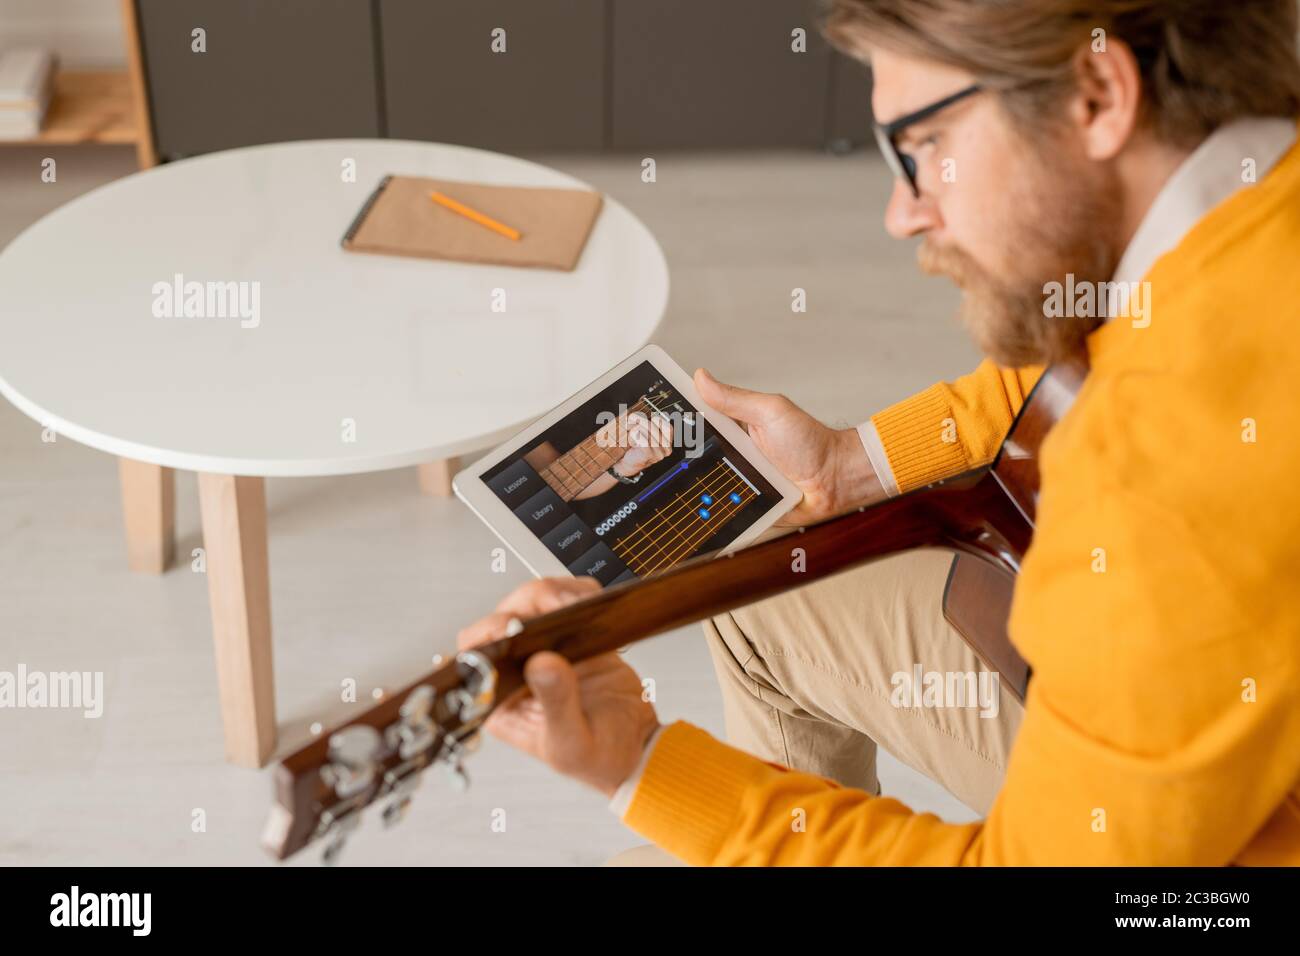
column 58, row 690
column 1106, row 300
column 941, row 689
column 688, row 429
column 132, row 911
column 179, row 299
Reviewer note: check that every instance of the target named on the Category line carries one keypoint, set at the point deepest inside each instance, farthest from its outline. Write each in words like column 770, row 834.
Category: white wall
column 85, row 33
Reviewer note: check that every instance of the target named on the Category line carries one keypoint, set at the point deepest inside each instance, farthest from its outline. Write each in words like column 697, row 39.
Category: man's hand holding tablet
column 829, row 465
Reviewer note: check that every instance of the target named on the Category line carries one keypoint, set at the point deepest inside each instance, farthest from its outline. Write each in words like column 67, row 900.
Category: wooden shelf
column 103, row 106
column 89, row 107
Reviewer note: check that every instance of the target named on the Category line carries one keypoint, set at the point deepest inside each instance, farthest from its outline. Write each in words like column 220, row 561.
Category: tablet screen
column 631, row 482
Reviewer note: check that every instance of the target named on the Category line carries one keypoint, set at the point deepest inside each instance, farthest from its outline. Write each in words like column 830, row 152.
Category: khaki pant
column 808, row 680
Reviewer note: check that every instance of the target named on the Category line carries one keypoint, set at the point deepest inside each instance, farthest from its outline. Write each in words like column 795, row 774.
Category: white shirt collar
column 1212, row 173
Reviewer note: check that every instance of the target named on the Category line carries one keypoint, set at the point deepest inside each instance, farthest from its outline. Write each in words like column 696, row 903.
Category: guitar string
column 680, row 512
column 660, row 528
column 689, row 537
column 703, row 532
column 664, row 514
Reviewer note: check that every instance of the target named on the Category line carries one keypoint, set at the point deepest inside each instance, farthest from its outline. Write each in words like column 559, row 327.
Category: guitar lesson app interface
column 632, row 482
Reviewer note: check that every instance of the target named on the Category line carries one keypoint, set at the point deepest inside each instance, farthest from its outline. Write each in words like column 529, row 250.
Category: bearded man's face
column 1003, row 213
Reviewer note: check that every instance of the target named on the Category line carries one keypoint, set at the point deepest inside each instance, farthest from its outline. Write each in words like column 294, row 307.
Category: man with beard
column 1037, row 144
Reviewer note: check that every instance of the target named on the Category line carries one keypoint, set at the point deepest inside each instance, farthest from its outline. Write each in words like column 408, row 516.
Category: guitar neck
column 969, row 513
column 578, row 467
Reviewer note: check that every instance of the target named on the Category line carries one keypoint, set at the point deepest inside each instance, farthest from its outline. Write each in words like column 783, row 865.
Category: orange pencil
column 475, row 215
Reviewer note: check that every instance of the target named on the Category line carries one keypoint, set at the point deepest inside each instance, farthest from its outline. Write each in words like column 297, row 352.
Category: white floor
column 369, row 579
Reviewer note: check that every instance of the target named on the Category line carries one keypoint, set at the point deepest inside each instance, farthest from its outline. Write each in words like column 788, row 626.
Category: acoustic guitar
column 985, row 516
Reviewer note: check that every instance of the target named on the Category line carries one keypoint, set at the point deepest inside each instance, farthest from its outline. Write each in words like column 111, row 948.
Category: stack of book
column 26, row 87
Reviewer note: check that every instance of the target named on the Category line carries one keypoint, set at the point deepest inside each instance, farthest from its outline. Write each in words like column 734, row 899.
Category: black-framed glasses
column 903, row 165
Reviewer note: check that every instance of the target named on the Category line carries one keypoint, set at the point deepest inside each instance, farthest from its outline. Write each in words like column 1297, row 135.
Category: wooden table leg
column 149, row 513
column 435, row 477
column 234, row 538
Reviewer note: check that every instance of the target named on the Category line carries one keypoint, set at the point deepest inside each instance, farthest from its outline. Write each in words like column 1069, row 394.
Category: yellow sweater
column 1159, row 604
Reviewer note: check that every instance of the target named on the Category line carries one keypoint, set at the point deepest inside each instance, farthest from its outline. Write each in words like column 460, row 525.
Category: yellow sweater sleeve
column 1162, row 725
column 710, row 804
column 1071, row 798
column 951, row 427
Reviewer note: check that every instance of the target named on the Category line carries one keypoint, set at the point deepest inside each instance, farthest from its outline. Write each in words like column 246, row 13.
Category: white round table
column 350, row 362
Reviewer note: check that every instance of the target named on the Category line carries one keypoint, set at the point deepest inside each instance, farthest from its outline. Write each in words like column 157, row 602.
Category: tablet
column 631, row 476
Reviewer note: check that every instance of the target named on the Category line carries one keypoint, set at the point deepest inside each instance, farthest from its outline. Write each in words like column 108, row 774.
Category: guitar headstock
column 663, row 398
column 322, row 789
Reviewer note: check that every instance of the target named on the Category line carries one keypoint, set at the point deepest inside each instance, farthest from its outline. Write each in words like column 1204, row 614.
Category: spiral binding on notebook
column 365, row 211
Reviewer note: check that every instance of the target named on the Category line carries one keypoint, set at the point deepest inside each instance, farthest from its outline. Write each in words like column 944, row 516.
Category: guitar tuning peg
column 395, row 812
column 411, row 736
column 452, row 759
column 475, row 698
column 353, row 755
column 414, row 731
column 338, row 832
column 330, row 855
column 418, row 703
column 457, row 776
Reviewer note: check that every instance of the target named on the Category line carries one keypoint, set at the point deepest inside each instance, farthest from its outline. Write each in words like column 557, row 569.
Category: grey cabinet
column 703, row 73
column 273, row 71
column 443, row 81
column 850, row 113
column 574, row 75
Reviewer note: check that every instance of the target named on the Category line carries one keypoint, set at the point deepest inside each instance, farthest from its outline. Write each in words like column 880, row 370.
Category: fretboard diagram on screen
column 687, row 521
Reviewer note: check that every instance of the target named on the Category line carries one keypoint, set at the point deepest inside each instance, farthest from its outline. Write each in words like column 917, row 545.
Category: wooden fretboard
column 577, row 468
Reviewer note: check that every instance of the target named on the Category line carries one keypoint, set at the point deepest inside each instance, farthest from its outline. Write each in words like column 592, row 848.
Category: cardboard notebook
column 399, row 219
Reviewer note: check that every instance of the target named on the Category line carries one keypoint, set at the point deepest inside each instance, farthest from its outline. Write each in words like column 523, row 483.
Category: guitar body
column 985, row 516
column 977, row 596
column 977, row 604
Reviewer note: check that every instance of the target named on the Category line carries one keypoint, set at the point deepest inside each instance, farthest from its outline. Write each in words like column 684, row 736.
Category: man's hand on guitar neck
column 588, row 720
column 829, row 465
column 648, row 440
